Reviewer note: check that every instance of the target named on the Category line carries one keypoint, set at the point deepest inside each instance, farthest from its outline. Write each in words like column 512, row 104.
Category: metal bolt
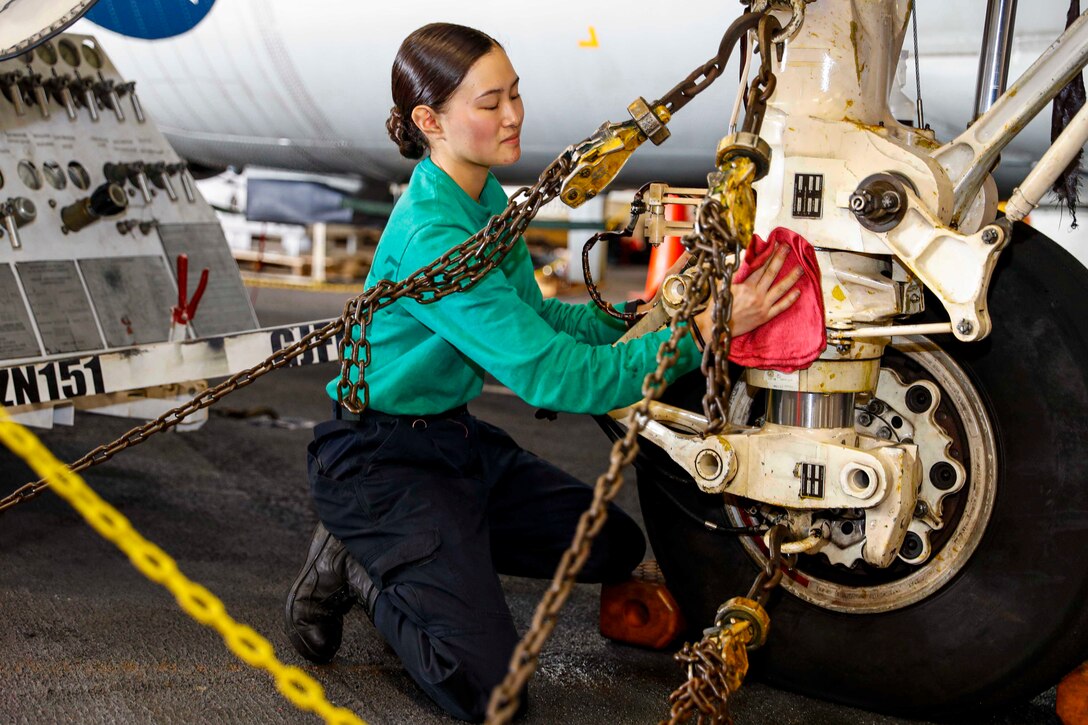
column 912, row 546
column 876, row 406
column 943, row 475
column 919, row 399
column 584, row 173
column 885, row 432
column 921, row 509
column 861, row 202
column 915, row 298
column 890, row 201
column 964, row 327
column 864, row 419
column 989, row 235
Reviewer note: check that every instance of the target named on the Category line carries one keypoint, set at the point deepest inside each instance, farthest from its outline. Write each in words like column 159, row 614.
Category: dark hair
column 429, row 66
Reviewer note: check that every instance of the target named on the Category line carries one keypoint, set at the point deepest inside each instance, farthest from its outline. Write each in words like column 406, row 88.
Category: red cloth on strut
column 797, row 336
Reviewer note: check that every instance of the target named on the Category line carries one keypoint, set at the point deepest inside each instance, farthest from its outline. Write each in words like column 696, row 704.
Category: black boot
column 330, row 583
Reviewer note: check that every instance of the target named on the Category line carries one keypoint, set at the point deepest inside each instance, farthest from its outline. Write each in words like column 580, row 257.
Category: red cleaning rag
column 797, row 336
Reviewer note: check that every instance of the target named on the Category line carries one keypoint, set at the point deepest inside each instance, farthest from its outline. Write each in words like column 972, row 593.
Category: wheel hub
column 922, row 397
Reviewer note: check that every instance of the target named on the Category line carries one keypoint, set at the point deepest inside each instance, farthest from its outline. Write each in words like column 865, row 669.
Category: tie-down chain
column 714, row 244
column 716, row 664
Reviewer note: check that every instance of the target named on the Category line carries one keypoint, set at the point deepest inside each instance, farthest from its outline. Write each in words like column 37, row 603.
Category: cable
column 917, row 69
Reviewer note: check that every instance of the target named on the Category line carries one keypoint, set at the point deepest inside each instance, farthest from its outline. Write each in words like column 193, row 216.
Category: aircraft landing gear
column 994, row 611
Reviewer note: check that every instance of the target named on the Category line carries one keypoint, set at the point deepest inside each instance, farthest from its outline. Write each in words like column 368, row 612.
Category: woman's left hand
column 759, row 299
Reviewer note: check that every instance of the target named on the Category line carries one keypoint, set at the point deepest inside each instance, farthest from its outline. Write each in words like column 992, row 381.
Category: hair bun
column 405, row 135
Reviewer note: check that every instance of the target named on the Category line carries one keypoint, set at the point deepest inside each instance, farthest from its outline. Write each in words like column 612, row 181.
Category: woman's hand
column 759, row 298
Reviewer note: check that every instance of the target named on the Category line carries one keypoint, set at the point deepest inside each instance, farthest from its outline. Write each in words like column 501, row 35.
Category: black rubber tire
column 1014, row 620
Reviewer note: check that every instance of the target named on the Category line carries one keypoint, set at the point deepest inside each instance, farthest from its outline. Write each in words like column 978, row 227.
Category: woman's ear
column 426, row 120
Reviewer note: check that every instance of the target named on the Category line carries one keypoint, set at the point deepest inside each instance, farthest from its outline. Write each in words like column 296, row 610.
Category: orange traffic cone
column 665, row 254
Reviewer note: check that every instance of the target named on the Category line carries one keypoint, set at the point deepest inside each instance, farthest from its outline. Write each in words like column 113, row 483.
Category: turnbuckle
column 605, row 153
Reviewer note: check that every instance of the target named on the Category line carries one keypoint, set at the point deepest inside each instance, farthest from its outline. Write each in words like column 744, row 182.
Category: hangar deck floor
column 86, row 639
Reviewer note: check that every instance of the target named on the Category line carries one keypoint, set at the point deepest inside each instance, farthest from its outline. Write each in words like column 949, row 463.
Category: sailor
column 422, row 505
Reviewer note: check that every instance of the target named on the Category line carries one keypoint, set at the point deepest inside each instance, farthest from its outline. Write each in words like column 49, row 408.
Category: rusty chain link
column 715, row 364
column 716, row 664
column 797, row 14
column 765, row 81
column 698, row 80
column 773, row 568
column 710, row 243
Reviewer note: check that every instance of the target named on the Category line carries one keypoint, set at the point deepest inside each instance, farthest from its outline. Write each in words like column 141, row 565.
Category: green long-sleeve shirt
column 428, row 358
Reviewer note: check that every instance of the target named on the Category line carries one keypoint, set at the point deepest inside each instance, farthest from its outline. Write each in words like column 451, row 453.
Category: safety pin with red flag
column 185, row 310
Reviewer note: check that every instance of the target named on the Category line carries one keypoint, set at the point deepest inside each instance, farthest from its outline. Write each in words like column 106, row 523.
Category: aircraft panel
column 225, row 305
column 16, row 334
column 60, row 306
column 133, row 297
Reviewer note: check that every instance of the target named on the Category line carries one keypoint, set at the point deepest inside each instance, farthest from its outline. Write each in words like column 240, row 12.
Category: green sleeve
column 491, row 325
column 584, row 322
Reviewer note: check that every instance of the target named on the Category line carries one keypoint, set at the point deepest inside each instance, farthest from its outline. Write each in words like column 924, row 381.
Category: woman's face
column 481, row 123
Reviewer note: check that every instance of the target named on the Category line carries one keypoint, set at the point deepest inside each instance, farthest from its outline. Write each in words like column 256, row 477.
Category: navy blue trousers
column 435, row 508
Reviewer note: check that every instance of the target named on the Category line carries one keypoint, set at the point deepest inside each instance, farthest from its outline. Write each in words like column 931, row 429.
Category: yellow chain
column 203, row 606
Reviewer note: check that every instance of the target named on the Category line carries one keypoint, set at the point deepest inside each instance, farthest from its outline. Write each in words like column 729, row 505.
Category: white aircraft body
column 306, row 87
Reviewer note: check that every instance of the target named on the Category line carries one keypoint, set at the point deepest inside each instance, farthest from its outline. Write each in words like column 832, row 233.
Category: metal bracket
column 811, row 470
column 956, row 267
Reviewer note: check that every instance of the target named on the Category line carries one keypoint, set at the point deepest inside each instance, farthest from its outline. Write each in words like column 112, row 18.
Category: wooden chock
column 1072, row 702
column 641, row 610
